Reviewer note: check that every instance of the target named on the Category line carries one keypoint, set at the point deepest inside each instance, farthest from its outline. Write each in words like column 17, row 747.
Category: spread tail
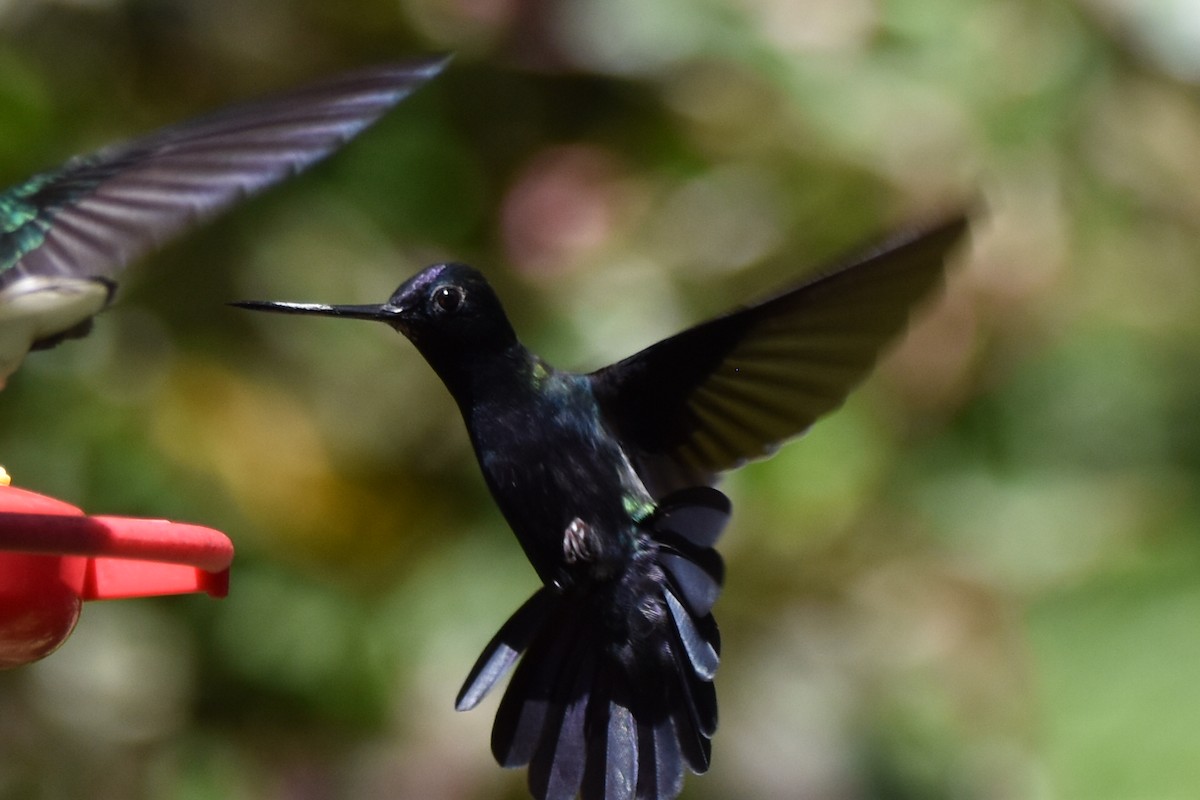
column 614, row 695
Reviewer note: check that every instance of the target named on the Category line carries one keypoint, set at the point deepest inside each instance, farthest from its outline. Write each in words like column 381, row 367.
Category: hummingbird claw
column 578, row 542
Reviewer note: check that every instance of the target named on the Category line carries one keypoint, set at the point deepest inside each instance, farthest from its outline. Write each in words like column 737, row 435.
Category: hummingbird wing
column 67, row 233
column 734, row 388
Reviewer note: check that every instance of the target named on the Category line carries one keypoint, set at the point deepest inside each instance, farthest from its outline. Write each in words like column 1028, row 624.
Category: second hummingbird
column 66, row 234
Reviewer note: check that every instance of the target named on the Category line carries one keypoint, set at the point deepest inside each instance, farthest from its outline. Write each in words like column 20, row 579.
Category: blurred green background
column 980, row 579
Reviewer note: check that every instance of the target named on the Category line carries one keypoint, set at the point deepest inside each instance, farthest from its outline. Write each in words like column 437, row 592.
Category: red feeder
column 53, row 557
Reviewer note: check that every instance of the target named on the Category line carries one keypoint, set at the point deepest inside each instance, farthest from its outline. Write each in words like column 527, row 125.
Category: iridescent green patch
column 638, row 508
column 23, row 225
column 538, row 373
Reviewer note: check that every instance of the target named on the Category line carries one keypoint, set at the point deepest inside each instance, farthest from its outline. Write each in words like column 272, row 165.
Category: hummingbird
column 66, row 234
column 607, row 479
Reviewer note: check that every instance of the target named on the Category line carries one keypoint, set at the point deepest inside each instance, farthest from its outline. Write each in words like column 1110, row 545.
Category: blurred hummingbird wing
column 96, row 213
column 733, row 388
column 66, row 234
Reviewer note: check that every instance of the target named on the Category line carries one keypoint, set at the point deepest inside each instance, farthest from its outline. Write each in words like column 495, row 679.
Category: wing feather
column 734, row 388
column 83, row 223
column 98, row 212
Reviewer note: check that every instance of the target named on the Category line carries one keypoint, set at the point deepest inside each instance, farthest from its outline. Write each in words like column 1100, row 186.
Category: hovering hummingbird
column 66, row 234
column 607, row 480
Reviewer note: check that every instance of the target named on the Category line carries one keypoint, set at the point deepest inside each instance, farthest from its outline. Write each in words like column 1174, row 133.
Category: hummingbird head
column 449, row 311
column 451, row 307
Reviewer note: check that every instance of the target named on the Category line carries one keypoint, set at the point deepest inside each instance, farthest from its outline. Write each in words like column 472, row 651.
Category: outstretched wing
column 735, row 387
column 63, row 231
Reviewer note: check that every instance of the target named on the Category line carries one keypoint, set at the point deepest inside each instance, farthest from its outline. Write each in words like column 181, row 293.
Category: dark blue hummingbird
column 607, row 480
column 66, row 234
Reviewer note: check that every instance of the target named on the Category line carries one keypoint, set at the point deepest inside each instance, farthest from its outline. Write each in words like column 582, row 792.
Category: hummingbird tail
column 613, row 696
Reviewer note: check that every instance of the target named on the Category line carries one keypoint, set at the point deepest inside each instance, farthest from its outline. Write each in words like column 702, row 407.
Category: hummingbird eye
column 447, row 299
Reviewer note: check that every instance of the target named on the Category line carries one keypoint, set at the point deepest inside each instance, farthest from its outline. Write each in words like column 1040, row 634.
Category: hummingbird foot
column 579, row 543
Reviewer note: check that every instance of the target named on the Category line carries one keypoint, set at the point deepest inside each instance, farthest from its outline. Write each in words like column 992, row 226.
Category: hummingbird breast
column 561, row 480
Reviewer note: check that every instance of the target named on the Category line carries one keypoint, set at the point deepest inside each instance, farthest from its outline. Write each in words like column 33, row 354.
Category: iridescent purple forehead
column 449, row 273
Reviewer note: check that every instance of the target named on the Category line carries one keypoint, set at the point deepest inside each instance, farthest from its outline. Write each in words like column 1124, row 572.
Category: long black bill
column 383, row 313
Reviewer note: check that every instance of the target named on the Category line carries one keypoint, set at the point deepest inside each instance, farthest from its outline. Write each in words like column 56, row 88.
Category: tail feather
column 504, row 649
column 697, row 575
column 557, row 767
column 688, row 524
column 694, row 743
column 660, row 771
column 700, row 695
column 703, row 656
column 521, row 717
column 699, row 514
column 612, row 696
column 612, row 754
